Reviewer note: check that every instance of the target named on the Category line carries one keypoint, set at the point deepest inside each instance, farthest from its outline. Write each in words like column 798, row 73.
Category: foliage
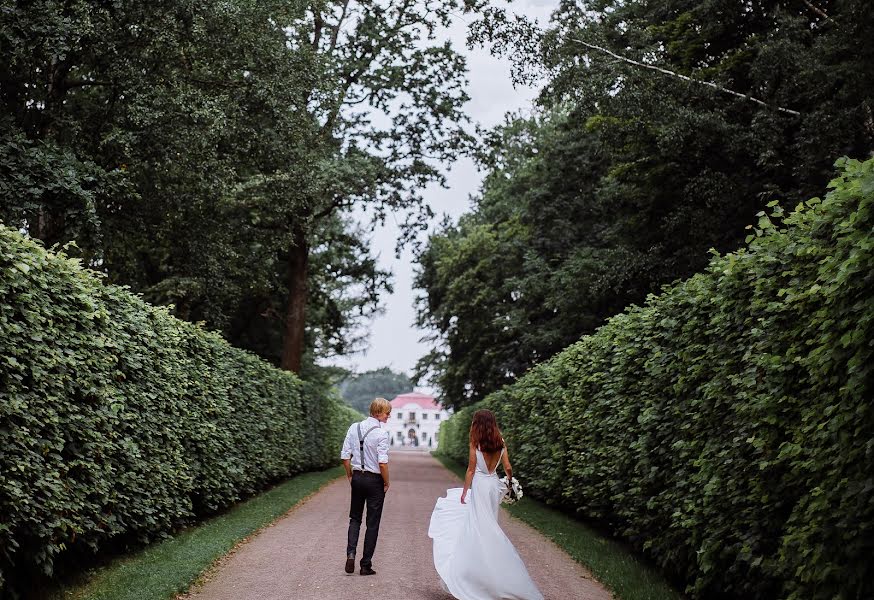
column 359, row 390
column 624, row 177
column 382, row 55
column 467, row 272
column 157, row 137
column 674, row 137
column 119, row 422
column 725, row 427
column 193, row 151
column 533, row 266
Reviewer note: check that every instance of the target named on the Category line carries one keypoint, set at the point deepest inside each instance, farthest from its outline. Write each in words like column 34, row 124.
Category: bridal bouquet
column 513, row 490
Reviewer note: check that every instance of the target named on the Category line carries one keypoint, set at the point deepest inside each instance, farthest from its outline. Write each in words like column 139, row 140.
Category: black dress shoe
column 367, row 571
column 350, row 565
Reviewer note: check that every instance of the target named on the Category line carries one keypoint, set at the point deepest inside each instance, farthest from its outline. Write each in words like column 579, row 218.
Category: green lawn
column 610, row 562
column 167, row 568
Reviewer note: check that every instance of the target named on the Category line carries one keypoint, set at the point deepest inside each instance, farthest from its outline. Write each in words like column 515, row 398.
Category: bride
column 472, row 555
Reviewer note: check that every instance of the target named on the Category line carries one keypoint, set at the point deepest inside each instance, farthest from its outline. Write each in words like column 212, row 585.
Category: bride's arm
column 471, row 469
column 505, row 460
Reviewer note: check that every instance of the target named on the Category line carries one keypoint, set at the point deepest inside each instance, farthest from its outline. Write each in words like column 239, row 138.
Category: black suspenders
column 361, row 442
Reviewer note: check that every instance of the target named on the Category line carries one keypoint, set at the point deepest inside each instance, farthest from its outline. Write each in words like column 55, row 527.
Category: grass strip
column 165, row 569
column 611, row 563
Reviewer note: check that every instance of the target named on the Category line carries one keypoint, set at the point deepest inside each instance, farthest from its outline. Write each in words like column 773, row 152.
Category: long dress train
column 472, row 554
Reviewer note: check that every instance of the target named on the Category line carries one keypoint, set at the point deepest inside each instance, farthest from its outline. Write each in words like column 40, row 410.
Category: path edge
column 210, row 570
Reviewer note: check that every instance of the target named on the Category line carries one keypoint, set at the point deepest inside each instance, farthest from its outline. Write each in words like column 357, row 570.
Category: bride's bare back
column 492, row 459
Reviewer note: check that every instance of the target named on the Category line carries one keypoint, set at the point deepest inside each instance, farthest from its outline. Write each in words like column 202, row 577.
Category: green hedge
column 726, row 428
column 119, row 421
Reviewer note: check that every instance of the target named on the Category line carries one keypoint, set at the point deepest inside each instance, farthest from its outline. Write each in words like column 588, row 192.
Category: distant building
column 415, row 421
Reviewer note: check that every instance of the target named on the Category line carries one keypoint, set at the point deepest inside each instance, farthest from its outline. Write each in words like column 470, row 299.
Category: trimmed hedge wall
column 117, row 419
column 726, row 428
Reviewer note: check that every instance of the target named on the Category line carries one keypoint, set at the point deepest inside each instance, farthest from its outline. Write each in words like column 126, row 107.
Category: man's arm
column 383, row 470
column 382, row 456
column 346, row 454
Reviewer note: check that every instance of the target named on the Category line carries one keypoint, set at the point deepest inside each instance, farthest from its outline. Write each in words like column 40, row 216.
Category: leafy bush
column 119, row 421
column 726, row 428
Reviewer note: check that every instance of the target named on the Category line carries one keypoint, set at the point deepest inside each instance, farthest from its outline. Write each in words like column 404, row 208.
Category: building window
column 400, row 415
column 424, row 416
column 437, row 417
column 412, row 416
column 424, row 436
column 400, row 435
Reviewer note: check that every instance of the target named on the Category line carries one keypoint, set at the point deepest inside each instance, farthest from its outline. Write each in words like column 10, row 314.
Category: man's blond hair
column 380, row 406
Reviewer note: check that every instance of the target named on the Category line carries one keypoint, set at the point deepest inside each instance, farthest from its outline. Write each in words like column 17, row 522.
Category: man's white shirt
column 375, row 445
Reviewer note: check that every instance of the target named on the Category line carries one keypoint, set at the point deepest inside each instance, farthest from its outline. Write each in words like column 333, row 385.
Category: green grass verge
column 626, row 575
column 165, row 569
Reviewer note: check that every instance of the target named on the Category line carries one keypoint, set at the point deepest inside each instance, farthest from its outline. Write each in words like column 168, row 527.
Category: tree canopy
column 359, row 390
column 624, row 177
column 211, row 156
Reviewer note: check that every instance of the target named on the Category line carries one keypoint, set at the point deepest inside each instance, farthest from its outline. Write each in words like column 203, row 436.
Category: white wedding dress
column 472, row 555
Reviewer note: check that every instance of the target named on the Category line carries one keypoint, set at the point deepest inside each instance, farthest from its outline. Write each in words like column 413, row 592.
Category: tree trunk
column 293, row 335
column 47, row 225
column 49, row 222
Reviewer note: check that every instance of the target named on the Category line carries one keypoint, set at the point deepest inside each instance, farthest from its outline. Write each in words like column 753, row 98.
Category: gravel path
column 301, row 556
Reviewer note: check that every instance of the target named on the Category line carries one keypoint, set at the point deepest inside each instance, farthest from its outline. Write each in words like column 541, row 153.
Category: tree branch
column 318, row 23
column 215, row 83
column 818, row 11
column 869, row 119
column 360, row 100
column 355, row 73
column 74, row 83
column 686, row 78
column 351, row 78
column 337, row 203
column 336, row 29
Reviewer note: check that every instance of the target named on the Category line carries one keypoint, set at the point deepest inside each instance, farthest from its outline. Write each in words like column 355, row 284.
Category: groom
column 365, row 458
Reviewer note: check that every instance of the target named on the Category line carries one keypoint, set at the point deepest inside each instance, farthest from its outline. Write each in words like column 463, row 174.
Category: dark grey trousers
column 367, row 488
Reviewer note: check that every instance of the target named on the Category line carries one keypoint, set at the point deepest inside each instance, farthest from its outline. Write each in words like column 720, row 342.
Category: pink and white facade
column 415, row 421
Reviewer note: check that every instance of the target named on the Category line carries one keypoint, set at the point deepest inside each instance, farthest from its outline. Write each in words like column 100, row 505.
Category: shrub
column 726, row 428
column 119, row 421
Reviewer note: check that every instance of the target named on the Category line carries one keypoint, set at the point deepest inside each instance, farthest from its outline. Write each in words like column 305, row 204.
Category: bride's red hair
column 484, row 432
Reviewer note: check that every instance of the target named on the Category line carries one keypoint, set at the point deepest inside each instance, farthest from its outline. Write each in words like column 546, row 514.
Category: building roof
column 421, row 400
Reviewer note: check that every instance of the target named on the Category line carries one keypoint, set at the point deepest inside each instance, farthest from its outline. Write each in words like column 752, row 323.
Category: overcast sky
column 394, row 338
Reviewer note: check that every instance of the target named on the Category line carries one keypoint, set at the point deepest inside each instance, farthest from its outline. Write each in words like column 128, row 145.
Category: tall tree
column 359, row 390
column 382, row 56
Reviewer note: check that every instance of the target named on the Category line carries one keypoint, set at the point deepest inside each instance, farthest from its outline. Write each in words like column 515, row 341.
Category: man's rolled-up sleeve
column 382, row 448
column 346, row 451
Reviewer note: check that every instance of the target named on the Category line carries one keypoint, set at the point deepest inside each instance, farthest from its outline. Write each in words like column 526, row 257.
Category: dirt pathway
column 301, row 556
